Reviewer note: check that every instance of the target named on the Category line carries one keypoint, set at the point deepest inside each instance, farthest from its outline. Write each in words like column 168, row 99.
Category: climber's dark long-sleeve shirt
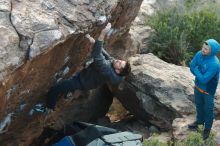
column 100, row 71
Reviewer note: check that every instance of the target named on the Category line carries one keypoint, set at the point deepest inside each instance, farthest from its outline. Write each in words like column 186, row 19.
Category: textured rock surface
column 42, row 42
column 162, row 94
column 156, row 91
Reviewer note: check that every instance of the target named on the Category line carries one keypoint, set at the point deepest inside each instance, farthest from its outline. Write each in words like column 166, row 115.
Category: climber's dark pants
column 62, row 88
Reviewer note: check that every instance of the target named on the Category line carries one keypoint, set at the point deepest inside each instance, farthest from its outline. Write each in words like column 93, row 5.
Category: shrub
column 180, row 31
column 154, row 142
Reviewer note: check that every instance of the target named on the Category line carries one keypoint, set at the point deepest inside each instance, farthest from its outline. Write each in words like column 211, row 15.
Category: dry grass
column 116, row 111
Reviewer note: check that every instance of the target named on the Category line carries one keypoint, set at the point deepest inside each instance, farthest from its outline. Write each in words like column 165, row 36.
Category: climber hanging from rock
column 104, row 69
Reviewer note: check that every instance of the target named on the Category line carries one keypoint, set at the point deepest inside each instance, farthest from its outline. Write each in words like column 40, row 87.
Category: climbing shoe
column 194, row 125
column 40, row 109
column 205, row 133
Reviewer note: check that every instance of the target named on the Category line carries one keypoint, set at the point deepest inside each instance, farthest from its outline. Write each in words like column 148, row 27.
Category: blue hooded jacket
column 206, row 68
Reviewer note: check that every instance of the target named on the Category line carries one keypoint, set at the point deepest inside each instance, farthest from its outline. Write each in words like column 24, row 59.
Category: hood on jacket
column 214, row 45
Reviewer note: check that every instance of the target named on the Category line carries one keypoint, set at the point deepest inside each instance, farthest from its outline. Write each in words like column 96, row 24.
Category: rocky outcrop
column 157, row 92
column 162, row 94
column 43, row 42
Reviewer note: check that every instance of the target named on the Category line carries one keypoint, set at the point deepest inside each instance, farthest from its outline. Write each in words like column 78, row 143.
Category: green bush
column 180, row 31
column 194, row 139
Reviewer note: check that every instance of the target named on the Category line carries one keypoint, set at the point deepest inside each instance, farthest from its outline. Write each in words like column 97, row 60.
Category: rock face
column 161, row 91
column 156, row 91
column 162, row 94
column 43, row 42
